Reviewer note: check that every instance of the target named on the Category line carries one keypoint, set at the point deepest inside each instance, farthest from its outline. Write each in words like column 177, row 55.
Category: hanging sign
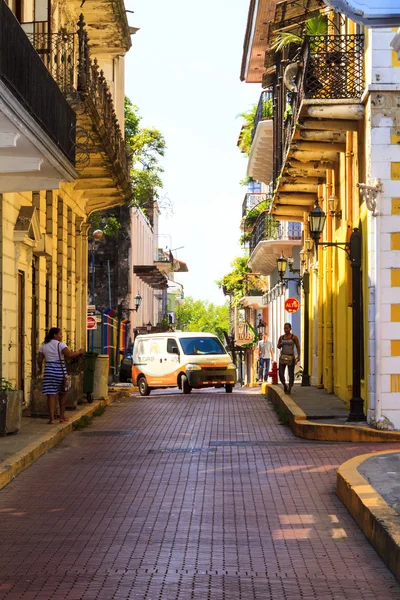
column 91, row 322
column 292, row 305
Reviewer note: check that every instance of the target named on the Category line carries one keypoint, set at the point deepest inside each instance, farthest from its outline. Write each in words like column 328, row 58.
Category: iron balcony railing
column 251, row 200
column 25, row 75
column 67, row 58
column 267, row 228
column 264, row 109
column 58, row 52
column 335, row 67
column 328, row 67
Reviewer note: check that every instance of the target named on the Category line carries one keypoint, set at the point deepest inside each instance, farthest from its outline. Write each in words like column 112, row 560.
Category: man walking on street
column 265, row 355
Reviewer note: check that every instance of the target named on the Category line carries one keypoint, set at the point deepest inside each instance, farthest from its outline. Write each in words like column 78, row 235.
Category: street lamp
column 261, row 328
column 316, row 222
column 137, row 301
column 149, row 326
column 282, row 264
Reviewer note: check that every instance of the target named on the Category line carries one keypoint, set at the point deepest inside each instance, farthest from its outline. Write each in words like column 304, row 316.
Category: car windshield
column 205, row 345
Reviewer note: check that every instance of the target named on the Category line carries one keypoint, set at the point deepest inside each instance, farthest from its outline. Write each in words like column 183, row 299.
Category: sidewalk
column 314, row 414
column 19, row 450
column 368, row 485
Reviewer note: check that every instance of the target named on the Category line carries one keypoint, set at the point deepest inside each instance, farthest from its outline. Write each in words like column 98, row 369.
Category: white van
column 184, row 360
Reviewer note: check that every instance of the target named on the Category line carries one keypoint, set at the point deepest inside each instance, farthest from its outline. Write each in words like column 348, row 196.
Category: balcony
column 268, row 239
column 102, row 157
column 243, row 334
column 37, row 129
column 321, row 97
column 260, row 165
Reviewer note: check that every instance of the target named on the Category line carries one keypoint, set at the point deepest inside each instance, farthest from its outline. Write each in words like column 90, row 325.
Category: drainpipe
column 328, row 303
column 349, row 206
column 378, row 401
column 321, row 311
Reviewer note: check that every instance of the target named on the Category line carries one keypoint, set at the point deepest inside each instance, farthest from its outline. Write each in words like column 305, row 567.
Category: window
column 171, row 344
column 205, row 345
column 254, row 187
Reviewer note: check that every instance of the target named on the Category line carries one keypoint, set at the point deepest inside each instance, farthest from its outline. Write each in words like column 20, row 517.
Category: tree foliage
column 146, row 146
column 199, row 315
column 241, row 281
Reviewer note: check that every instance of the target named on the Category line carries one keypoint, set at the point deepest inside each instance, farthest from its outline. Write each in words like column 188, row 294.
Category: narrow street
column 200, row 497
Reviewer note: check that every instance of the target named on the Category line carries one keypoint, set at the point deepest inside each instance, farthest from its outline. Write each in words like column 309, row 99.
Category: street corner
column 376, row 518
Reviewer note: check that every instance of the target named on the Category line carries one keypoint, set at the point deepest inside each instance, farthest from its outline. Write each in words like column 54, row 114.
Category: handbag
column 286, row 359
column 66, row 381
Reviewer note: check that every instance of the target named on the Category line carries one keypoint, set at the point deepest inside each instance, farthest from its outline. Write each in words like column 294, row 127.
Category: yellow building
column 333, row 141
column 62, row 156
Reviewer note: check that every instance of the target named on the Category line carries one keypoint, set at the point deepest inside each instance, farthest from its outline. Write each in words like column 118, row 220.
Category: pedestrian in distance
column 286, row 343
column 265, row 355
column 54, row 351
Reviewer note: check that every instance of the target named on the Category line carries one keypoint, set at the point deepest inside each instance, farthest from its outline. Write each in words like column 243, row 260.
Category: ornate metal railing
column 67, row 57
column 92, row 85
column 335, row 67
column 251, row 200
column 243, row 334
column 264, row 109
column 30, row 82
column 267, row 228
column 58, row 51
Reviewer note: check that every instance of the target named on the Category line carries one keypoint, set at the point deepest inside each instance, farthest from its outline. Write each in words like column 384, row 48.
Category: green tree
column 146, row 146
column 199, row 315
column 240, row 280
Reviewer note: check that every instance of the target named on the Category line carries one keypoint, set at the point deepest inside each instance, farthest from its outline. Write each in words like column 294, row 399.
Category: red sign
column 292, row 305
column 91, row 322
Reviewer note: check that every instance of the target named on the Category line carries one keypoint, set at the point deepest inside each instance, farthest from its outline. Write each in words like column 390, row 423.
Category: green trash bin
column 88, row 374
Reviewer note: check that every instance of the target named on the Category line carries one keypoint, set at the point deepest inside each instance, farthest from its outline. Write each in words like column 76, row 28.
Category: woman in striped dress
column 53, row 351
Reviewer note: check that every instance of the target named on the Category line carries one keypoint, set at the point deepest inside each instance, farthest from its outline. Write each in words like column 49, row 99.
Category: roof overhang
column 252, row 301
column 264, row 256
column 29, row 159
column 152, row 276
column 260, row 165
column 385, row 13
column 259, row 17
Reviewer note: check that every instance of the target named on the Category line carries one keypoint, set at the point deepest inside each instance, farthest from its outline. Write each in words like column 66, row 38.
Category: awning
column 152, row 276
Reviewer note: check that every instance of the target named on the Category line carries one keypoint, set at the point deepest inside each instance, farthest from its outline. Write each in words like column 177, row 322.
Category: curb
column 309, row 430
column 21, row 460
column 376, row 519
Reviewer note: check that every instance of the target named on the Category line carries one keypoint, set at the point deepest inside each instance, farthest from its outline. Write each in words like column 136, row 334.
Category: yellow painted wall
column 60, row 216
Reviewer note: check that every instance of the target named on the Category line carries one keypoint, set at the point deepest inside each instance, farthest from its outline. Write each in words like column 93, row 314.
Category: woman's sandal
column 51, row 422
column 64, row 420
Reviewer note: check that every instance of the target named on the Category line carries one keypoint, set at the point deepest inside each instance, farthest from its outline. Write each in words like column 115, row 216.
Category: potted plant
column 11, row 401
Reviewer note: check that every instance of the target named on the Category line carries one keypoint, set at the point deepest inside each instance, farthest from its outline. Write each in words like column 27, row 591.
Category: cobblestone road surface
column 200, row 497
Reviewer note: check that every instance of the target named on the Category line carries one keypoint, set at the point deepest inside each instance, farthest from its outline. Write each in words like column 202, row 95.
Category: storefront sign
column 292, row 305
column 91, row 322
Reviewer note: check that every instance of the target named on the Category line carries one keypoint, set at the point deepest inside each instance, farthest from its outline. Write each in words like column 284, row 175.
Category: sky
column 183, row 73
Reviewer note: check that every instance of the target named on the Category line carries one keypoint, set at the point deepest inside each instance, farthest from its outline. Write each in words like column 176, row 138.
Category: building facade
column 332, row 146
column 62, row 156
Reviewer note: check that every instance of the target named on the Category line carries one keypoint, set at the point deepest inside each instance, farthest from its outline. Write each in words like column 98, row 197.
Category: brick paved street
column 200, row 497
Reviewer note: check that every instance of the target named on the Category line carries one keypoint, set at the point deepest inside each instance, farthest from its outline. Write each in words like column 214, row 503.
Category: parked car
column 125, row 369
